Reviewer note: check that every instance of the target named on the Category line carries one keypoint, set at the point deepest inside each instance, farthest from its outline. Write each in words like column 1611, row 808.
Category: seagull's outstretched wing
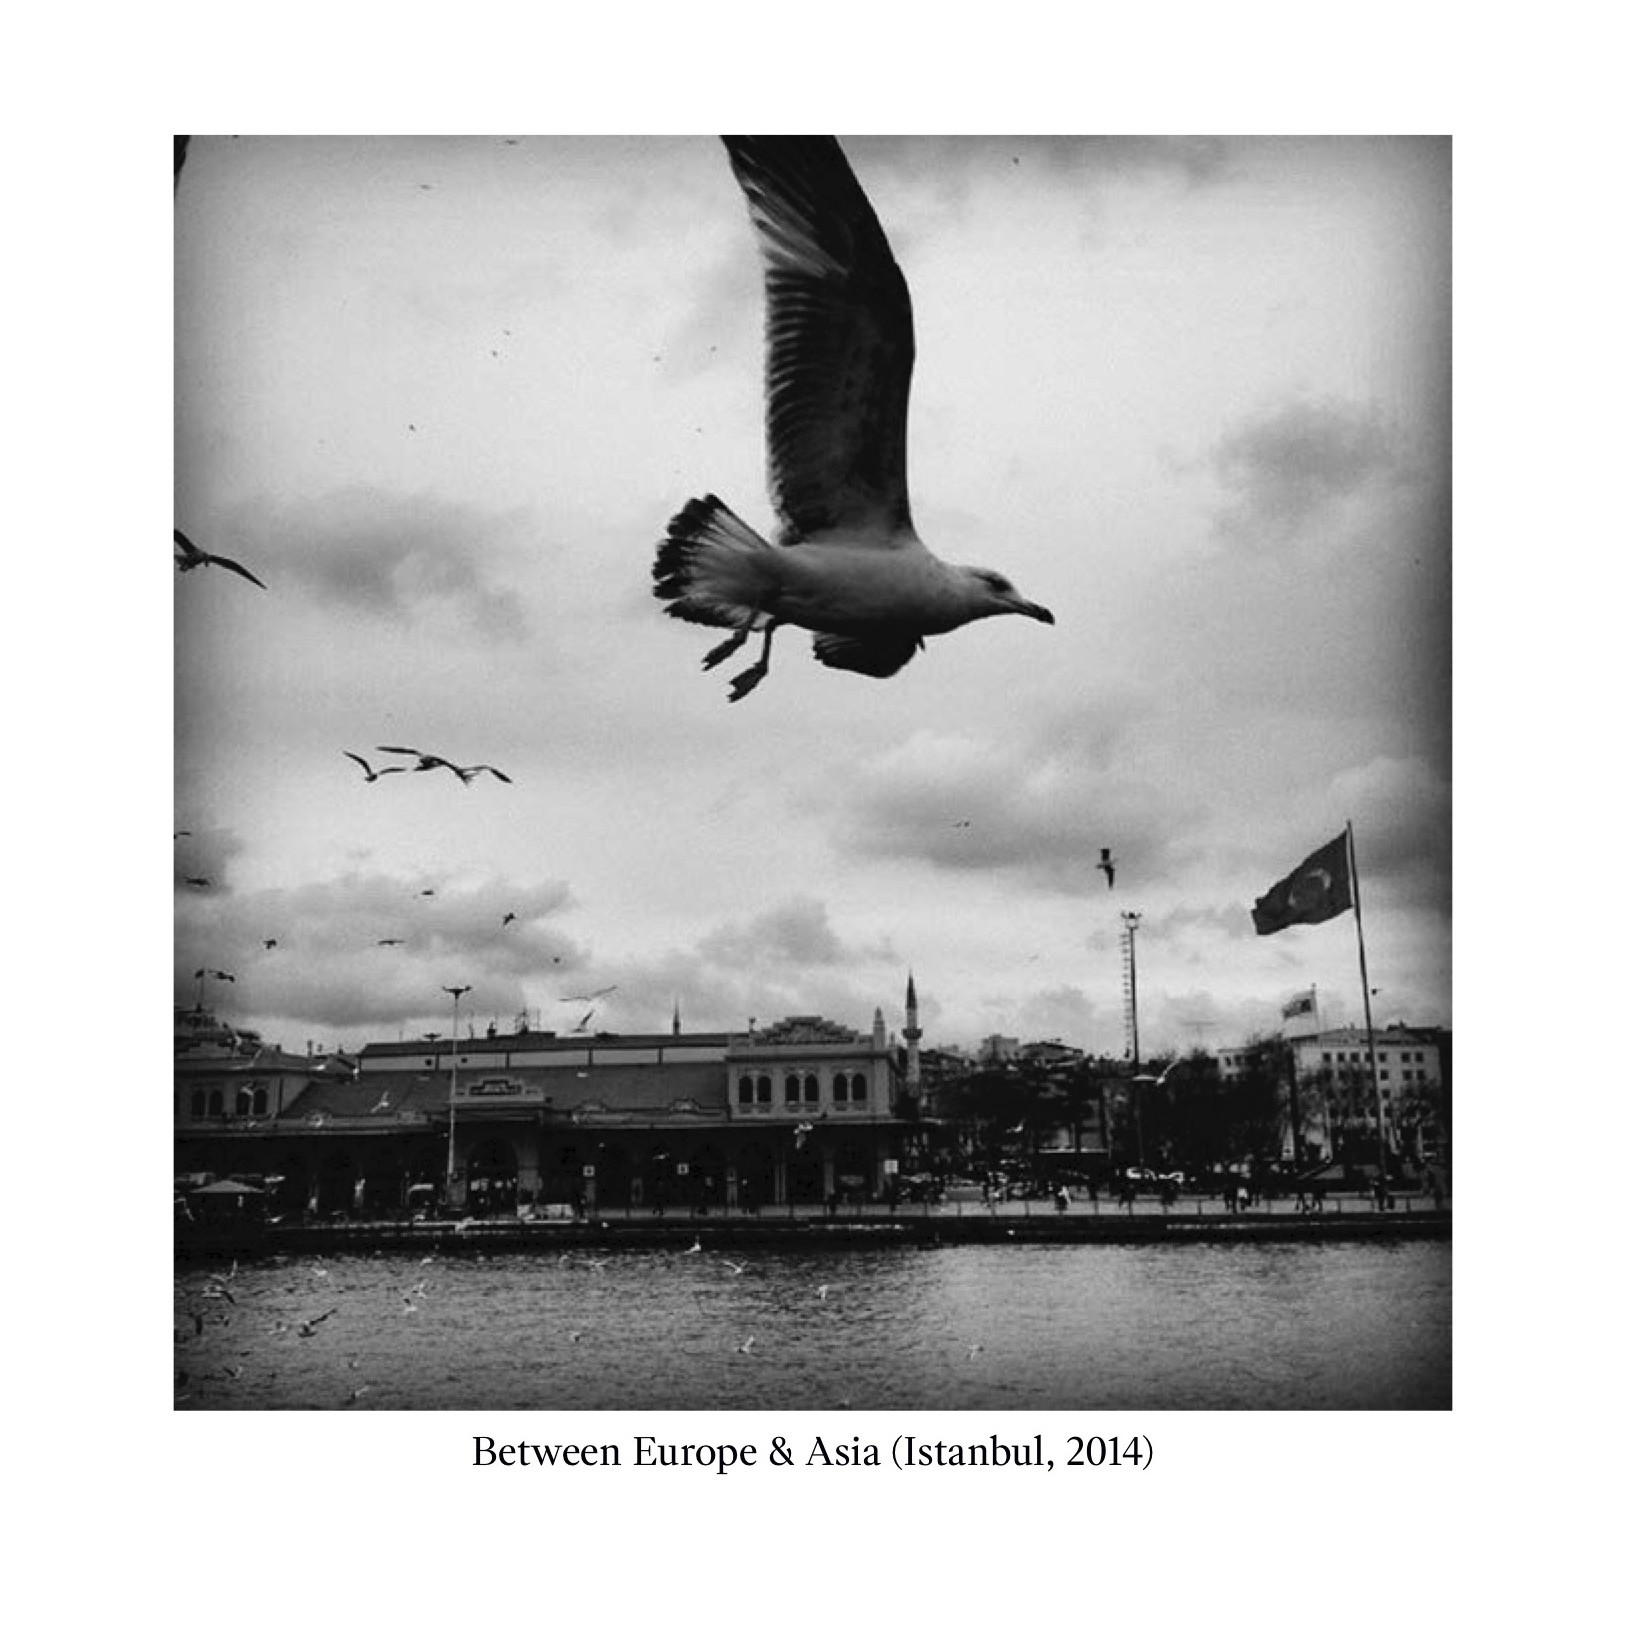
column 839, row 344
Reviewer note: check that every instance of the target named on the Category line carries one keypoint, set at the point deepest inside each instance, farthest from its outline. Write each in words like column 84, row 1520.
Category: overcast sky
column 443, row 395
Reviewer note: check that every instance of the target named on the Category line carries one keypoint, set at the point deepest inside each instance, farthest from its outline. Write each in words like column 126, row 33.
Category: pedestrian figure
column 1062, row 1199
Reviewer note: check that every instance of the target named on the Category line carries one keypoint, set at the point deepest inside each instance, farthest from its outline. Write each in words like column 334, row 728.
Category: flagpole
column 1365, row 992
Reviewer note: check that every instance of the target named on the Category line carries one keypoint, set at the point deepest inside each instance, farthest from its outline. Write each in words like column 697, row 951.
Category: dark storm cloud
column 395, row 555
column 1286, row 468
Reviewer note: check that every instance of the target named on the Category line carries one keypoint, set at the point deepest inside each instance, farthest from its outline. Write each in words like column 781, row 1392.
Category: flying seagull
column 1107, row 866
column 847, row 563
column 369, row 773
column 587, row 997
column 199, row 883
column 508, row 918
column 269, row 943
column 388, row 943
column 435, row 762
column 189, row 555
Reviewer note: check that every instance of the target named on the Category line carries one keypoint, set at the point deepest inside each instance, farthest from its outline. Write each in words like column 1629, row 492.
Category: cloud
column 794, row 934
column 1038, row 803
column 394, row 555
column 1289, row 467
column 328, row 969
column 950, row 163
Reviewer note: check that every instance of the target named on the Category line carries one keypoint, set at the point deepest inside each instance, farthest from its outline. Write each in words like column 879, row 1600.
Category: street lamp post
column 456, row 992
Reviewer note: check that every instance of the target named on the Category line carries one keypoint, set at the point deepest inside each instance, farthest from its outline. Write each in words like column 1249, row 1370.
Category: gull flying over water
column 847, row 563
column 189, row 556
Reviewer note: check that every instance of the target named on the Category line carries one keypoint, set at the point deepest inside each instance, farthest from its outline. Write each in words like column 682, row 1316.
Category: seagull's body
column 189, row 556
column 847, row 563
column 1107, row 865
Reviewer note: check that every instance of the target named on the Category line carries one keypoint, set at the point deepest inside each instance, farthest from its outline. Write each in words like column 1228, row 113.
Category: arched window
column 812, row 1090
column 260, row 1102
column 841, row 1088
column 745, row 1090
column 858, row 1088
column 198, row 1102
column 215, row 1102
column 242, row 1101
column 762, row 1090
column 790, row 1090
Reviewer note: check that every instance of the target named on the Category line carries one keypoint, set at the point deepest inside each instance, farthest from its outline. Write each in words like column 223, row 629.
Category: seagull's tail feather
column 713, row 567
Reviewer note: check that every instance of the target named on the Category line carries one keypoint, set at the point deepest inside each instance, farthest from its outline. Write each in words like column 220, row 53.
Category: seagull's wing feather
column 875, row 654
column 189, row 550
column 234, row 566
column 839, row 345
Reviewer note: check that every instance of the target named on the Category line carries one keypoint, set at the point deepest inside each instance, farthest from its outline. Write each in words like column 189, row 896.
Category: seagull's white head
column 988, row 594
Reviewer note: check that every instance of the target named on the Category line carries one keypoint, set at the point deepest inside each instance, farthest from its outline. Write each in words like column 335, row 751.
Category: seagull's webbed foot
column 750, row 677
column 745, row 682
column 725, row 648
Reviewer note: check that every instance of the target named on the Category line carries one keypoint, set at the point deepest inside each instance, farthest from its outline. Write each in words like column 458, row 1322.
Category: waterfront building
column 803, row 1111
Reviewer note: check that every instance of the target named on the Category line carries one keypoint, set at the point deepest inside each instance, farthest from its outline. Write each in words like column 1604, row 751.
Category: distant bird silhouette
column 309, row 1327
column 587, row 997
column 388, row 941
column 190, row 556
column 435, row 762
column 270, row 943
column 848, row 564
column 1107, row 866
column 585, row 1021
column 384, row 1104
column 182, row 833
column 746, row 1346
column 199, row 883
column 509, row 918
column 427, row 892
column 369, row 773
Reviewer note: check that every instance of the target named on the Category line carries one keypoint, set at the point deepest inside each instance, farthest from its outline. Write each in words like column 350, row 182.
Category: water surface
column 1334, row 1326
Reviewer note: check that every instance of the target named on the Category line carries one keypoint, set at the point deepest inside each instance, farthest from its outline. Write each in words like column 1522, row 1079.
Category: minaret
column 912, row 1032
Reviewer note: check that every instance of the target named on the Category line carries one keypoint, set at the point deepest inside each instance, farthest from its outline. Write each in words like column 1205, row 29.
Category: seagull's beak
column 1030, row 609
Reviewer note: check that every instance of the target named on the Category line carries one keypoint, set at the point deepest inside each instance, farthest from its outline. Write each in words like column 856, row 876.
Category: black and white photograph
column 812, row 774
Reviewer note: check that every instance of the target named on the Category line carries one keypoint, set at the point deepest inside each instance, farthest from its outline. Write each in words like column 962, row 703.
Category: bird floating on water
column 1107, row 866
column 189, row 556
column 847, row 563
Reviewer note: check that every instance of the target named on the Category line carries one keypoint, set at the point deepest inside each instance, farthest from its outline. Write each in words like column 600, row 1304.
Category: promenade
column 1190, row 1219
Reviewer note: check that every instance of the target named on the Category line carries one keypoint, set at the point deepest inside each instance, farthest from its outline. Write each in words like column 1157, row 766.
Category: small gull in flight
column 435, row 762
column 189, row 556
column 1107, row 866
column 847, row 564
column 369, row 773
column 587, row 997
